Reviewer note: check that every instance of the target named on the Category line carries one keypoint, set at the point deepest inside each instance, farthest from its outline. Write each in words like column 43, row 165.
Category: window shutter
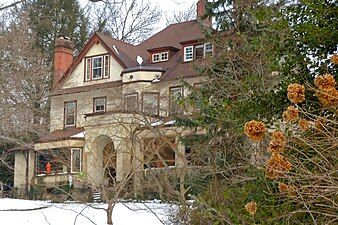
column 88, row 69
column 106, row 66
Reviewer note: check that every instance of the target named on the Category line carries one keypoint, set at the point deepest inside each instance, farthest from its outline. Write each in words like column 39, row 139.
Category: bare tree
column 131, row 21
column 182, row 15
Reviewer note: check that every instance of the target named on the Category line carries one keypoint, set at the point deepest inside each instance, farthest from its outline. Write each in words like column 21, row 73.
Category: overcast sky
column 167, row 6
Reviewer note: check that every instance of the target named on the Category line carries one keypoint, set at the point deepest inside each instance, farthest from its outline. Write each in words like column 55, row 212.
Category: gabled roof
column 126, row 54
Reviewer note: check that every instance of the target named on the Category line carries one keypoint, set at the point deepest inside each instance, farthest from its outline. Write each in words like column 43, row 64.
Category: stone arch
column 105, row 157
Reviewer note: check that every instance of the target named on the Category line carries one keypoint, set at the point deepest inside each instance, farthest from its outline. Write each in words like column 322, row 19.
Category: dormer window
column 160, row 57
column 97, row 67
column 199, row 51
column 188, row 53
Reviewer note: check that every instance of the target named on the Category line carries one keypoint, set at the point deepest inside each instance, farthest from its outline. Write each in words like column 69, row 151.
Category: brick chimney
column 63, row 58
column 201, row 11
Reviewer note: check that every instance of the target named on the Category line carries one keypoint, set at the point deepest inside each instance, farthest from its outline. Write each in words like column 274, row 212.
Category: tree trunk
column 110, row 213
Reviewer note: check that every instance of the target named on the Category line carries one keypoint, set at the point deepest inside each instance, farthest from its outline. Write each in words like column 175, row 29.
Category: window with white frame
column 188, row 53
column 70, row 114
column 160, row 57
column 164, row 56
column 100, row 104
column 76, row 160
column 208, row 50
column 97, row 67
column 156, row 57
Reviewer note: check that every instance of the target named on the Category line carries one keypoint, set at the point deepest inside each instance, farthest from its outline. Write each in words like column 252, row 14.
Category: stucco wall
column 76, row 79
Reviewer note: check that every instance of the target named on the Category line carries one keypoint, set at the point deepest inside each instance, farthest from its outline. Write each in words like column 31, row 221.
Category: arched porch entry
column 106, row 159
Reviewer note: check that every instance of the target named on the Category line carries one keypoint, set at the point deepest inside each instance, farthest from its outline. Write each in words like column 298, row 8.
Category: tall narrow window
column 70, row 114
column 188, row 53
column 88, row 69
column 100, row 104
column 97, row 68
column 150, row 103
column 175, row 94
column 131, row 102
column 106, row 66
column 76, row 160
column 199, row 51
column 208, row 50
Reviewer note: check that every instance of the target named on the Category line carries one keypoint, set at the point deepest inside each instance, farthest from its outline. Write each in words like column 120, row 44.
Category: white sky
column 167, row 6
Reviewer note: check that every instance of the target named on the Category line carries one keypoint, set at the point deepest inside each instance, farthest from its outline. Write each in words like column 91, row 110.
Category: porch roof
column 66, row 134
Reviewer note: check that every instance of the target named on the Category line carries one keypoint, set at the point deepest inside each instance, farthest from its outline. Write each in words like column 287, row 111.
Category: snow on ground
column 81, row 214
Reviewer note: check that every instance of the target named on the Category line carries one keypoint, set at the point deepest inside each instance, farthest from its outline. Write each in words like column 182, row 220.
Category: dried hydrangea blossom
column 304, row 124
column 283, row 188
column 328, row 96
column 251, row 208
column 277, row 143
column 319, row 123
column 334, row 59
column 255, row 130
column 277, row 165
column 296, row 93
column 291, row 114
column 325, row 81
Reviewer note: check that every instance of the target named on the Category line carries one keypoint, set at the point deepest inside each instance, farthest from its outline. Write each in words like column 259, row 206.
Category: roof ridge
column 115, row 39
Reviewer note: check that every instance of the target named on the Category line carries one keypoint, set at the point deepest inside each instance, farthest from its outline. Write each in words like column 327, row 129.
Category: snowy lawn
column 73, row 213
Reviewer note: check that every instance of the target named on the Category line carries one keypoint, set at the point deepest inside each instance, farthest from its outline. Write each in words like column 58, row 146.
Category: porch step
column 97, row 197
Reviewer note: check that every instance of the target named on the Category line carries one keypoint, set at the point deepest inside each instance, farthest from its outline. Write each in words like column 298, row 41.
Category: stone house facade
column 106, row 104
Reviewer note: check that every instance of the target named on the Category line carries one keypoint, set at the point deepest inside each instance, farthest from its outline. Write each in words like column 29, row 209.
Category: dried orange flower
column 319, row 123
column 255, row 130
column 303, row 124
column 325, row 81
column 290, row 114
column 251, row 207
column 277, row 143
column 334, row 59
column 328, row 96
column 283, row 187
column 277, row 165
column 296, row 93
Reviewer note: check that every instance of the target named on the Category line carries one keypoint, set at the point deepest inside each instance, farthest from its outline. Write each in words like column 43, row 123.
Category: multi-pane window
column 175, row 94
column 59, row 161
column 100, row 104
column 131, row 102
column 199, row 51
column 164, row 56
column 208, row 50
column 156, row 57
column 70, row 114
column 150, row 103
column 76, row 159
column 160, row 57
column 188, row 53
column 97, row 67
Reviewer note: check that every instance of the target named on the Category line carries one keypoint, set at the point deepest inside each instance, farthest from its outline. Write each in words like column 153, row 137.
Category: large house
column 105, row 101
